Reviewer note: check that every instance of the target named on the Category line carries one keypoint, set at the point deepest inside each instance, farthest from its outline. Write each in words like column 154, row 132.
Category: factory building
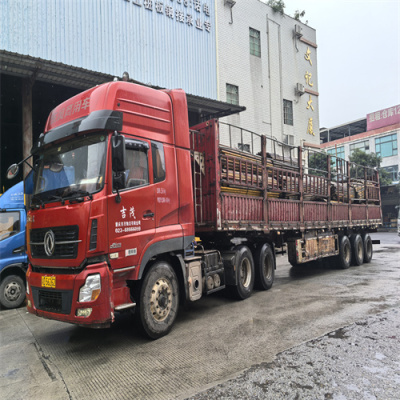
column 238, row 60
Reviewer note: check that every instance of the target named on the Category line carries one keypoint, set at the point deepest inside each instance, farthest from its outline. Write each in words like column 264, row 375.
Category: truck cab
column 13, row 259
column 112, row 197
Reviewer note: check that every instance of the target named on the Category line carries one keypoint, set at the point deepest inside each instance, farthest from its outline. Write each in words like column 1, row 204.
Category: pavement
column 271, row 350
column 359, row 361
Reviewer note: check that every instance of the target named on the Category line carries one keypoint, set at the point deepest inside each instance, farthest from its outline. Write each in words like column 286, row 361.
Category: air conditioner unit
column 285, row 139
column 288, row 139
column 299, row 89
column 298, row 31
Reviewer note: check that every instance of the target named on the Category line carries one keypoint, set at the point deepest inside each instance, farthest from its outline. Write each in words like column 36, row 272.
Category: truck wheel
column 12, row 291
column 344, row 257
column 159, row 300
column 244, row 273
column 264, row 260
column 368, row 249
column 357, row 249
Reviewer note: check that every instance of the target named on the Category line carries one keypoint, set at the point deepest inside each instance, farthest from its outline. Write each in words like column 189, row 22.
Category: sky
column 358, row 55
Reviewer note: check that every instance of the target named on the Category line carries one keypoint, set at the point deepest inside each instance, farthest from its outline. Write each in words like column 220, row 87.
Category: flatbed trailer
column 122, row 189
column 281, row 193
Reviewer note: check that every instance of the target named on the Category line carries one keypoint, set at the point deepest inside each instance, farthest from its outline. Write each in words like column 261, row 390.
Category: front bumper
column 62, row 302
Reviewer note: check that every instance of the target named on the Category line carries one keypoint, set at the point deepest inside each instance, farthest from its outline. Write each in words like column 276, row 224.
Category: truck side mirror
column 118, row 153
column 12, row 171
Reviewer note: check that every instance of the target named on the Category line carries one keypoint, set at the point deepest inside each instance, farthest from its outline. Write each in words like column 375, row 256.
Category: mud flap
column 229, row 259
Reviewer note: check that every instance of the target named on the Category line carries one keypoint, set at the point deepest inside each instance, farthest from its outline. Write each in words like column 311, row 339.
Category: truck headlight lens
column 90, row 291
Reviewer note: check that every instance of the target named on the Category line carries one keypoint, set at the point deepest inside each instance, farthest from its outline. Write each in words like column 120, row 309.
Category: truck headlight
column 90, row 291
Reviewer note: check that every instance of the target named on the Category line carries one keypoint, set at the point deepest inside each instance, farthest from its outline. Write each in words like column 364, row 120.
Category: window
column 288, row 112
column 255, row 45
column 386, row 146
column 393, row 171
column 337, row 152
column 157, row 152
column 232, row 94
column 364, row 146
column 9, row 224
column 137, row 173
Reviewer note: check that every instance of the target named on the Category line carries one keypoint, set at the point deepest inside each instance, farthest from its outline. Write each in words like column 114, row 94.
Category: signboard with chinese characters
column 192, row 13
column 164, row 43
column 309, row 85
column 385, row 117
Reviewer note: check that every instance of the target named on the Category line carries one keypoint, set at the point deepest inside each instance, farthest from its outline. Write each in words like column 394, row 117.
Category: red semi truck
column 123, row 188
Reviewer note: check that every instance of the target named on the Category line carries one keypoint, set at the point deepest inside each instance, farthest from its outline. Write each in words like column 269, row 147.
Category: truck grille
column 56, row 301
column 65, row 242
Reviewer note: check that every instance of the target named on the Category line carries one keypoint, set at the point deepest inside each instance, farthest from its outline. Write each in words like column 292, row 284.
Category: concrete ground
column 359, row 361
column 295, row 330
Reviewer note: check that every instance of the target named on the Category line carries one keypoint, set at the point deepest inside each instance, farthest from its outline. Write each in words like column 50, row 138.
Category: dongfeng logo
column 49, row 243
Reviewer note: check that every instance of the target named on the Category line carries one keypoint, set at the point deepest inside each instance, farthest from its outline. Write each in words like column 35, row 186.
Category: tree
column 277, row 6
column 318, row 163
column 369, row 160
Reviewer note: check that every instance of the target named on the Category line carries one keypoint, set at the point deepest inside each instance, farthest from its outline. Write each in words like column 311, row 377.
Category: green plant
column 299, row 14
column 277, row 6
column 318, row 164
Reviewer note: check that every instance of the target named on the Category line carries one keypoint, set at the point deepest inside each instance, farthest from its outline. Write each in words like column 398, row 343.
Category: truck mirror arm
column 118, row 183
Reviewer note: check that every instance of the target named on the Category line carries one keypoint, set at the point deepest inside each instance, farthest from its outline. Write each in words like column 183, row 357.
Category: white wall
column 265, row 81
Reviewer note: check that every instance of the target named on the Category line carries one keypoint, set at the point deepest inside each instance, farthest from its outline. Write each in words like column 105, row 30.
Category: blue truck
column 13, row 258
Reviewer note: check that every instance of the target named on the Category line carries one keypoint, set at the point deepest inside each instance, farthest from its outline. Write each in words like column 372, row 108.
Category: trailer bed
column 272, row 186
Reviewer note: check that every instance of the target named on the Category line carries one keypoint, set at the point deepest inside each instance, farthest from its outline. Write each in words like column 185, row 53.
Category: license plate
column 49, row 282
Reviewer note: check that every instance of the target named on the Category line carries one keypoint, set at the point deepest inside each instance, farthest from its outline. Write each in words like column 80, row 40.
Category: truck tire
column 357, row 249
column 244, row 274
column 12, row 291
column 159, row 300
column 368, row 249
column 264, row 263
column 344, row 257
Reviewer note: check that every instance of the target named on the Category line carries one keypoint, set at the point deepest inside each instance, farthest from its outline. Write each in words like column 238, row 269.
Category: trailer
column 283, row 194
column 133, row 211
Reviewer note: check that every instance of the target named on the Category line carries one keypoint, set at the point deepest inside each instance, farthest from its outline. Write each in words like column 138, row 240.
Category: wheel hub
column 161, row 299
column 245, row 273
column 12, row 291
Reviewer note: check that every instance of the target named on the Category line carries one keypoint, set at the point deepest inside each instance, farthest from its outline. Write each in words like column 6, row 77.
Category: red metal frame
column 242, row 191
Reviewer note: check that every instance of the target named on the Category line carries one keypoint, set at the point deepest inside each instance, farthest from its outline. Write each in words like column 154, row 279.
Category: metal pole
column 27, row 133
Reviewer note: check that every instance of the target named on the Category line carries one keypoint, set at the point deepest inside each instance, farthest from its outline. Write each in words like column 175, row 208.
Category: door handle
column 148, row 215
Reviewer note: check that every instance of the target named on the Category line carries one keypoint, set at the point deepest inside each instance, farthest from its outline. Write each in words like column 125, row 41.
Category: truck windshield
column 73, row 168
